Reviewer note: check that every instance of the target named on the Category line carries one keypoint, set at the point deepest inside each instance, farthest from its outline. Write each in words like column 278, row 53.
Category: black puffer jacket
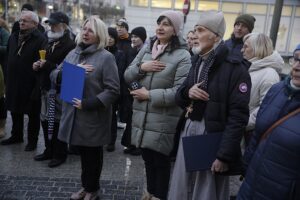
column 227, row 110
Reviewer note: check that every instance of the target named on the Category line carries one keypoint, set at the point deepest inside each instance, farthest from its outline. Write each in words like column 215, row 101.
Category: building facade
column 145, row 12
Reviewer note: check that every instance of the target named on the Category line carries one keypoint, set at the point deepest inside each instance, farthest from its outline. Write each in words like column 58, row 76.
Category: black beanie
column 112, row 32
column 248, row 20
column 27, row 6
column 140, row 32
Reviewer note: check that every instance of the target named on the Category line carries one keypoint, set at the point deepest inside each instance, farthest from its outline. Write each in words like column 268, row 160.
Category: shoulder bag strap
column 277, row 123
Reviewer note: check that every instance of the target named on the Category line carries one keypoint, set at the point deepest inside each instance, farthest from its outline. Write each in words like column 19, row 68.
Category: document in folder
column 72, row 82
column 200, row 151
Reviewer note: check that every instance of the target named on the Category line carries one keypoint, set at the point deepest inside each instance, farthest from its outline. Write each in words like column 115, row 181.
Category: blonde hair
column 100, row 30
column 261, row 44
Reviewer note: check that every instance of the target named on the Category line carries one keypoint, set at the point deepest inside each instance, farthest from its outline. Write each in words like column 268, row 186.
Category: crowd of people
column 165, row 88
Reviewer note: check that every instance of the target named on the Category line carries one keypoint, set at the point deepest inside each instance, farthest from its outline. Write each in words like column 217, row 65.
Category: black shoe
column 56, row 162
column 136, row 152
column 11, row 140
column 41, row 157
column 110, row 148
column 30, row 147
column 129, row 149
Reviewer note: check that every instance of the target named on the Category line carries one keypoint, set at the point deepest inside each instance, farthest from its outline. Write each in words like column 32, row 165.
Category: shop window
column 179, row 4
column 286, row 10
column 256, row 9
column 295, row 35
column 297, row 12
column 161, row 3
column 208, row 5
column 232, row 7
column 141, row 3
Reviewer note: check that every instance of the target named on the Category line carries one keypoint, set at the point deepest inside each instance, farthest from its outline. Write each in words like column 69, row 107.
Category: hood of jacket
column 274, row 61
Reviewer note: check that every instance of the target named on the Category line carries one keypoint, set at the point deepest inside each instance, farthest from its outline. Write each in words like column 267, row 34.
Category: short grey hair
column 261, row 44
column 99, row 28
column 34, row 17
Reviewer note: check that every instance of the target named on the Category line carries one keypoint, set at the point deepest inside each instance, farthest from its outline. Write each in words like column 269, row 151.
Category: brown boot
column 146, row 195
column 78, row 195
column 2, row 127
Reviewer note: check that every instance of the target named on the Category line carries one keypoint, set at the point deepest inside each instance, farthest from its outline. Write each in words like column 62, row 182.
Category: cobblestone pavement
column 22, row 178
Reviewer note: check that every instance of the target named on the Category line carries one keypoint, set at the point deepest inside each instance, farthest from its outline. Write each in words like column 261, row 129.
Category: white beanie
column 175, row 17
column 213, row 21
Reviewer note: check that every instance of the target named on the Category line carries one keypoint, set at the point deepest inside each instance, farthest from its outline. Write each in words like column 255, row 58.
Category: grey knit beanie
column 213, row 21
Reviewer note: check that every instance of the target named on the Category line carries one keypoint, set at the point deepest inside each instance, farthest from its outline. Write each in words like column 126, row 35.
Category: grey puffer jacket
column 154, row 121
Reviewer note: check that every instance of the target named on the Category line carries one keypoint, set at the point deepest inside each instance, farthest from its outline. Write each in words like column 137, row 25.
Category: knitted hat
column 112, row 32
column 213, row 21
column 248, row 20
column 27, row 6
column 140, row 32
column 123, row 22
column 175, row 17
column 297, row 48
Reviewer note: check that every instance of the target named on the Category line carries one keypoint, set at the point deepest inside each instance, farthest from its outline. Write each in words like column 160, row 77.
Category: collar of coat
column 89, row 50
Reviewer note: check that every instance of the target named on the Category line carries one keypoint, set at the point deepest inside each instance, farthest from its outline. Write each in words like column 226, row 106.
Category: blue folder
column 200, row 151
column 72, row 82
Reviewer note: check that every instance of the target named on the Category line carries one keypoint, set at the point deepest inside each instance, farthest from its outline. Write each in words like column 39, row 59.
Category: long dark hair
column 174, row 41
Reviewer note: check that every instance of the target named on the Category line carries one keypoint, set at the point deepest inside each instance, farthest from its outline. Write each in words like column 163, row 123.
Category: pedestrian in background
column 266, row 65
column 138, row 37
column 86, row 123
column 243, row 25
column 22, row 91
column 158, row 70
column 272, row 159
column 4, row 35
column 59, row 45
column 121, row 64
column 216, row 95
column 189, row 39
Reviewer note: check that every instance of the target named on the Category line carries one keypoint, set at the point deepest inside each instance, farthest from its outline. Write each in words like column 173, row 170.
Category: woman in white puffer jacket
column 264, row 70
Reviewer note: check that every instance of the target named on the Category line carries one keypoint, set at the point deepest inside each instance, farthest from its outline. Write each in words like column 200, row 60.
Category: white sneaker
column 121, row 125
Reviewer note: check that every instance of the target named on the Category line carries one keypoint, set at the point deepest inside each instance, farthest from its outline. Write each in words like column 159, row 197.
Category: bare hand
column 196, row 93
column 88, row 68
column 219, row 166
column 77, row 103
column 38, row 64
column 153, row 66
column 141, row 94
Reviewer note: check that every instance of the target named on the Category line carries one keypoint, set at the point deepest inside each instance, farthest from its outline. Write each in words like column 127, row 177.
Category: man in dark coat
column 243, row 25
column 21, row 90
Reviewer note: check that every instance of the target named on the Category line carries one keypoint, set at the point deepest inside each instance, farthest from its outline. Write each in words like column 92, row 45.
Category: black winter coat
column 227, row 110
column 22, row 88
column 56, row 52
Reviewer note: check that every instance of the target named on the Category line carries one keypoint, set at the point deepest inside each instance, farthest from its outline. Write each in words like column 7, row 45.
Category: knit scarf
column 24, row 35
column 158, row 49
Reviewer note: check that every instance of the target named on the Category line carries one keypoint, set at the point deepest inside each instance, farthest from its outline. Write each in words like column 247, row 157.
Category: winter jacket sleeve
column 133, row 73
column 166, row 97
column 4, row 41
column 238, row 114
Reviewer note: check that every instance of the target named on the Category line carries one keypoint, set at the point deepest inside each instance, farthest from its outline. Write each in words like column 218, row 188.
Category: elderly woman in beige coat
column 264, row 71
column 159, row 69
column 86, row 122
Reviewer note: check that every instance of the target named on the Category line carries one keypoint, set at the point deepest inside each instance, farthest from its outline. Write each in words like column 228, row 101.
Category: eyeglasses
column 293, row 60
column 24, row 21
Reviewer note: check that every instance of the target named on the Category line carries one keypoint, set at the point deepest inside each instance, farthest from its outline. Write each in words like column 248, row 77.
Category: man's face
column 56, row 28
column 206, row 39
column 296, row 69
column 240, row 30
column 136, row 41
column 26, row 22
column 189, row 39
column 121, row 30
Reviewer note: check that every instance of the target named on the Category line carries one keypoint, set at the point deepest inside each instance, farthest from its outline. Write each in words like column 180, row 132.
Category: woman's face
column 296, row 69
column 164, row 31
column 111, row 41
column 88, row 35
column 247, row 50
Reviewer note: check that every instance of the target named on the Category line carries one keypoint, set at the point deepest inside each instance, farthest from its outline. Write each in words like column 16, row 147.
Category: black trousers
column 55, row 148
column 157, row 173
column 91, row 167
column 3, row 110
column 32, row 129
column 114, row 124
